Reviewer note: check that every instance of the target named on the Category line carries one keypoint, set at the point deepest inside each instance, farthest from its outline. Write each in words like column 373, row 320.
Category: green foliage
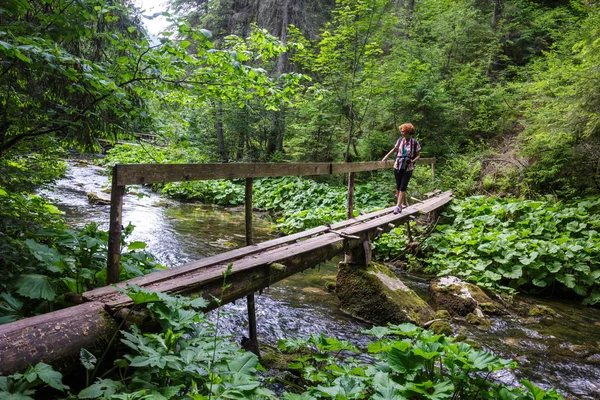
column 559, row 102
column 23, row 386
column 511, row 244
column 408, row 363
column 47, row 261
column 304, row 203
column 187, row 359
column 210, row 192
column 87, row 69
column 145, row 154
column 28, row 169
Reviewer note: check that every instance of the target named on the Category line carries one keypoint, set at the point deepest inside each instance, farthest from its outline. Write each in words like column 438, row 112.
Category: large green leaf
column 245, row 364
column 35, row 286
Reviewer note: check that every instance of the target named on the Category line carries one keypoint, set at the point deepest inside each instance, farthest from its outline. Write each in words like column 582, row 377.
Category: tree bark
column 219, row 129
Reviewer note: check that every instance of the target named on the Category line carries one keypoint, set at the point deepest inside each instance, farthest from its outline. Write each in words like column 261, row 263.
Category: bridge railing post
column 115, row 228
column 248, row 211
column 249, row 241
column 350, row 213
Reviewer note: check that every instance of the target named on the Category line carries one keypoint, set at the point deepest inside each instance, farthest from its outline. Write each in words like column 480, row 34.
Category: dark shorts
column 402, row 178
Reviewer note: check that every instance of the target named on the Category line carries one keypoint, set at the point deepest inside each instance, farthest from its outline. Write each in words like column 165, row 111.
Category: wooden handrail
column 135, row 174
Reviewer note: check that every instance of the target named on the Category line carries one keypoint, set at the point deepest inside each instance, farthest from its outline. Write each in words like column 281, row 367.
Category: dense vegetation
column 189, row 359
column 502, row 93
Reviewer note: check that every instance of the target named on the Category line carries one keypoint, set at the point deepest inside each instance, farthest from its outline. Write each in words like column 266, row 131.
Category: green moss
column 443, row 314
column 489, row 308
column 277, row 360
column 476, row 320
column 542, row 311
column 376, row 295
column 441, row 328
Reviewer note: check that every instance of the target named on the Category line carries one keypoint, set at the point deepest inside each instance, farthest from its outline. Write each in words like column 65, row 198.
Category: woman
column 409, row 151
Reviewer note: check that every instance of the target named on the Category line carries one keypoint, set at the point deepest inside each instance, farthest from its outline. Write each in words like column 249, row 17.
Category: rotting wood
column 53, row 336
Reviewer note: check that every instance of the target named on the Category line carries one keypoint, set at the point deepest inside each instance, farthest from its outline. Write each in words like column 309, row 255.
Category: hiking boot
column 397, row 209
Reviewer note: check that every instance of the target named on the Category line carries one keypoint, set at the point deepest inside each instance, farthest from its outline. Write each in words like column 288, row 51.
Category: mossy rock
column 478, row 320
column 441, row 327
column 542, row 311
column 98, row 198
column 374, row 294
column 458, row 297
column 442, row 314
column 330, row 286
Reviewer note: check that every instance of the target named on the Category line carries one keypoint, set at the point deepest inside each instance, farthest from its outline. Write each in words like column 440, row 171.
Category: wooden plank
column 135, row 174
column 53, row 336
column 437, row 202
column 350, row 200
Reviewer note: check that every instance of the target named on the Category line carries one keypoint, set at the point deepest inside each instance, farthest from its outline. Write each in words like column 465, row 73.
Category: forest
column 503, row 94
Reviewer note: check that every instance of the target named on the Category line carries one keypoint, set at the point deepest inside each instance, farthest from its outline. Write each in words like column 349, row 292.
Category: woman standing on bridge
column 408, row 151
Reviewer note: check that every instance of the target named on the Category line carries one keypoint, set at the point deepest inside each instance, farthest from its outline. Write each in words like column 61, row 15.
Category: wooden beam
column 136, row 174
column 350, row 200
column 115, row 227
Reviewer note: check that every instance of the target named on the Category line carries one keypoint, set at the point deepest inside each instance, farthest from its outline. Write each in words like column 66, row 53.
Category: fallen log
column 54, row 337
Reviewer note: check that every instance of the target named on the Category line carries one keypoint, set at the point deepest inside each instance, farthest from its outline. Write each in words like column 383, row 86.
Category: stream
column 562, row 352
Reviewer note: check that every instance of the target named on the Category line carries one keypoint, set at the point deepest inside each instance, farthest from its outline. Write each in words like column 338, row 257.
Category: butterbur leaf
column 171, row 391
column 245, row 364
column 35, row 286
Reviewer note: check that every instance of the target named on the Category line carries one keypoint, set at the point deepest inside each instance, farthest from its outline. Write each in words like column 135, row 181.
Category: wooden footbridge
column 58, row 335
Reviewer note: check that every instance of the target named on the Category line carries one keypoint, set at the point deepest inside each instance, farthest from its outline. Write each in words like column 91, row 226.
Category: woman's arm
column 390, row 153
column 417, row 157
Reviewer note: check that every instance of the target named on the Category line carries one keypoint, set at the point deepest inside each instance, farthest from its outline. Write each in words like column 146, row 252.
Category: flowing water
column 562, row 352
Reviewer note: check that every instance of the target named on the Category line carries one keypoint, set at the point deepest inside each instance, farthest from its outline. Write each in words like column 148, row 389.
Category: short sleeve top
column 407, row 150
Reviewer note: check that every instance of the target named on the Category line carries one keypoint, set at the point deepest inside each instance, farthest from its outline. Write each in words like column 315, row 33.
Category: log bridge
column 58, row 336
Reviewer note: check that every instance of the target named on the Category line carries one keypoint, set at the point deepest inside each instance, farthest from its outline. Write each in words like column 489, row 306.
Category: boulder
column 374, row 294
column 458, row 297
column 98, row 198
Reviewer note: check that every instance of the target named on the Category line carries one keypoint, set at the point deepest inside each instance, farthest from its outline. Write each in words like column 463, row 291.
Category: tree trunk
column 409, row 16
column 219, row 129
column 56, row 336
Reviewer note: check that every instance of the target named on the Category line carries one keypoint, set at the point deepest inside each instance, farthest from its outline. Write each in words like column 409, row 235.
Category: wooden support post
column 350, row 210
column 408, row 232
column 252, row 325
column 250, row 298
column 350, row 213
column 433, row 172
column 115, row 228
column 248, row 209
